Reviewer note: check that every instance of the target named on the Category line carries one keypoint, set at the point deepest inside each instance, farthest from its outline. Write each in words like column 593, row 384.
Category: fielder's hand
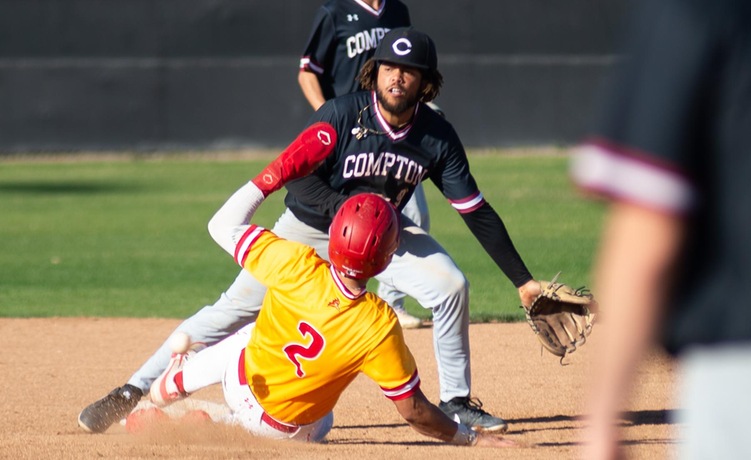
column 561, row 317
column 529, row 292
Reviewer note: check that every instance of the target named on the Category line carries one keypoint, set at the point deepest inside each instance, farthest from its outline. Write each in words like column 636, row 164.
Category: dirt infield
column 51, row 368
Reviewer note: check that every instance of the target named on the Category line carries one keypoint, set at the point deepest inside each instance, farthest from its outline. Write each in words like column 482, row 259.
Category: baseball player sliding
column 318, row 327
column 387, row 143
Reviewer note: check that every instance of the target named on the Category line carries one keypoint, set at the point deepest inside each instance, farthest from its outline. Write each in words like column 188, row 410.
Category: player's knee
column 452, row 301
column 454, row 285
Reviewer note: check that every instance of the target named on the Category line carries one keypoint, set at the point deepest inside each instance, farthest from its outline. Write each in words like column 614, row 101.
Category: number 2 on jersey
column 311, row 351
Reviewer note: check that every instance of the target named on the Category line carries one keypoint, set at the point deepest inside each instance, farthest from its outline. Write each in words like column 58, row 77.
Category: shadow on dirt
column 630, row 418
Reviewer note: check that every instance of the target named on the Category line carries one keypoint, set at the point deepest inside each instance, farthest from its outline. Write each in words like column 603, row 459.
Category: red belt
column 266, row 418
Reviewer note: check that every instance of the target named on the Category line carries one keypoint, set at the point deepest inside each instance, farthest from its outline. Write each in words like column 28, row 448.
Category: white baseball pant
column 247, row 411
column 225, row 362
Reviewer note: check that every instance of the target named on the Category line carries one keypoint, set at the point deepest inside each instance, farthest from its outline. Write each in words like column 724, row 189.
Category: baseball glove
column 561, row 317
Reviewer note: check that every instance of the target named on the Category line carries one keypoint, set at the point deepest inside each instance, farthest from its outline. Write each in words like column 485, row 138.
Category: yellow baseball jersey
column 313, row 336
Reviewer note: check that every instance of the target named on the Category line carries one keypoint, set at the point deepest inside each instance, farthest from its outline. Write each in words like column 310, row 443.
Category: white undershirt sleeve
column 233, row 218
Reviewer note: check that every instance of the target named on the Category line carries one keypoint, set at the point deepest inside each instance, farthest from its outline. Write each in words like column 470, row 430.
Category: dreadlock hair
column 432, row 80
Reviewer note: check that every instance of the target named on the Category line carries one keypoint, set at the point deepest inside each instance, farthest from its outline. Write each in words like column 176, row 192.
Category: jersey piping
column 394, row 135
column 370, row 9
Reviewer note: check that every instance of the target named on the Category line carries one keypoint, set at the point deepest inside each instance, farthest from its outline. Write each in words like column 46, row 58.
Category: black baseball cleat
column 469, row 412
column 99, row 416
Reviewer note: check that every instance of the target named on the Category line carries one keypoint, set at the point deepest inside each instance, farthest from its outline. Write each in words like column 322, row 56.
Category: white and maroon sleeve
column 403, row 391
column 623, row 174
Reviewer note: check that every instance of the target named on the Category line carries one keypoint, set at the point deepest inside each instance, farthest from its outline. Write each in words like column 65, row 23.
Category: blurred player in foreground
column 344, row 36
column 318, row 327
column 673, row 155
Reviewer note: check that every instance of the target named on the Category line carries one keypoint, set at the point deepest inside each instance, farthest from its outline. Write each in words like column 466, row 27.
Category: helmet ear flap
column 363, row 236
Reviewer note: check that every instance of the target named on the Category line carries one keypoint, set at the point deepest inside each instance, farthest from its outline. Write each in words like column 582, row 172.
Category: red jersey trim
column 469, row 204
column 405, row 390
column 338, row 281
column 246, row 241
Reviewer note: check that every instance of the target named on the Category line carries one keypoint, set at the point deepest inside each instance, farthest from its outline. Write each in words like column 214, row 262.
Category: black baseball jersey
column 345, row 35
column 371, row 156
column 675, row 135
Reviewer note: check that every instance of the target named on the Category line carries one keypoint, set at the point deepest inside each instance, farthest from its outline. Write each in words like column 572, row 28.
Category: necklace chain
column 362, row 131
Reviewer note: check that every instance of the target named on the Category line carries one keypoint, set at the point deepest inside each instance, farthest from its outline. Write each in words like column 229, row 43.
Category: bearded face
column 398, row 87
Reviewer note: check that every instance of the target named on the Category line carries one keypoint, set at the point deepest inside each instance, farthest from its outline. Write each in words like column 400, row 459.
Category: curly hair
column 432, row 80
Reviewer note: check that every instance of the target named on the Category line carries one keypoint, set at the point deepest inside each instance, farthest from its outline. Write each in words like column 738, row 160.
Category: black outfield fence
column 173, row 74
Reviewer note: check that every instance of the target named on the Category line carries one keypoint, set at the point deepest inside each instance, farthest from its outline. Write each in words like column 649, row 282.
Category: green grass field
column 129, row 238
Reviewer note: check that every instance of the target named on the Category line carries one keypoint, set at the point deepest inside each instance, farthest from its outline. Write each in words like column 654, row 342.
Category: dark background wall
column 164, row 74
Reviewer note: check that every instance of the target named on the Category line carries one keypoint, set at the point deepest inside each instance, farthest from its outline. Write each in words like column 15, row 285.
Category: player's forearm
column 233, row 217
column 428, row 420
column 637, row 253
column 311, row 89
column 429, row 423
column 490, row 231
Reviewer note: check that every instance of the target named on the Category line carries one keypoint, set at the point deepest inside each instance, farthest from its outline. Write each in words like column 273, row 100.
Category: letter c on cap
column 402, row 47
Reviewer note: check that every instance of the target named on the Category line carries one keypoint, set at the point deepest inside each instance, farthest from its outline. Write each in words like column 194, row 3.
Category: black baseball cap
column 407, row 46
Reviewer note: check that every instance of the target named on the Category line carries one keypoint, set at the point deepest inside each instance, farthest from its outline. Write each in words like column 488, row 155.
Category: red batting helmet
column 363, row 236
